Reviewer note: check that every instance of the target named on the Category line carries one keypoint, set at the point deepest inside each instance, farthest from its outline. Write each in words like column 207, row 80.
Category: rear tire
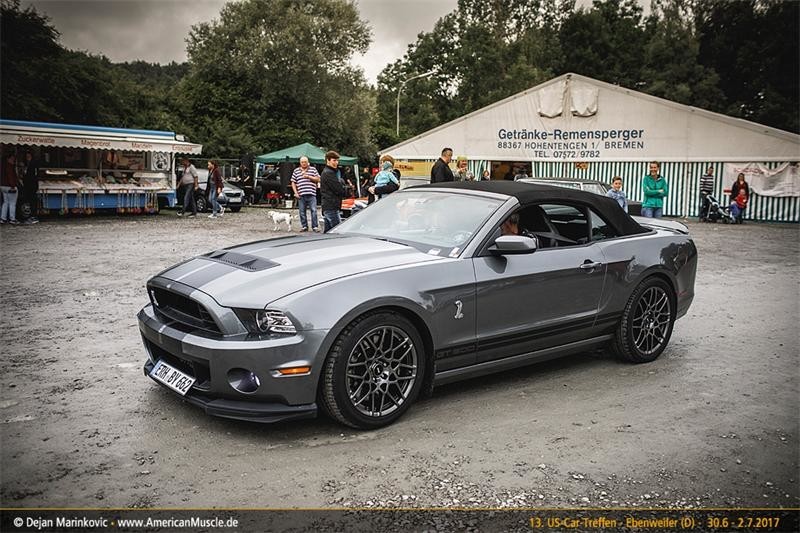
column 646, row 325
column 374, row 372
column 201, row 204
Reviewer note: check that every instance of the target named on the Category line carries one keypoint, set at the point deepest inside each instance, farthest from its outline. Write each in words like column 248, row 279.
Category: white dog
column 277, row 218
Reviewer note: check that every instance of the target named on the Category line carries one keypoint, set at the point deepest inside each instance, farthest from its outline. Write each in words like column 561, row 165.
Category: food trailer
column 85, row 168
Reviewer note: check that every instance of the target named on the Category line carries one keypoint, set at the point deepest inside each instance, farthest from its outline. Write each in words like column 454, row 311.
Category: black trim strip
column 511, row 339
column 506, row 363
column 520, row 338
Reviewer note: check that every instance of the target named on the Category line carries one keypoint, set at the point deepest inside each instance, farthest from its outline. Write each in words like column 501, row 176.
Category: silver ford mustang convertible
column 429, row 285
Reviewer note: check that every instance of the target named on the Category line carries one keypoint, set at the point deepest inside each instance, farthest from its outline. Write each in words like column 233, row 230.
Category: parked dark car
column 597, row 187
column 421, row 288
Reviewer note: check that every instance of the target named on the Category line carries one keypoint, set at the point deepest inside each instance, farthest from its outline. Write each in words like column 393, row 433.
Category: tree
column 42, row 81
column 605, row 42
column 271, row 73
column 671, row 66
column 752, row 45
column 482, row 52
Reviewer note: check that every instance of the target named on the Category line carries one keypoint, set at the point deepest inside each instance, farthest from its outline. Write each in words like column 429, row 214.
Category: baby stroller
column 717, row 212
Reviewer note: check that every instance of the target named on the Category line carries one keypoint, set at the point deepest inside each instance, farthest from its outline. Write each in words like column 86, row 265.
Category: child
column 738, row 205
column 618, row 194
column 385, row 181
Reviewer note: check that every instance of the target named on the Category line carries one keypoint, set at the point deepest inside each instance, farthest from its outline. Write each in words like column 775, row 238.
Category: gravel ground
column 713, row 422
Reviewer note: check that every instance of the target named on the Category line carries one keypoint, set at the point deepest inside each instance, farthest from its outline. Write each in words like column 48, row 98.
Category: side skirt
column 498, row 365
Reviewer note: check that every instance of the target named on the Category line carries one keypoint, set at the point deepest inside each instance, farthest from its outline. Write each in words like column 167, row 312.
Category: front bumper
column 209, row 358
column 264, row 412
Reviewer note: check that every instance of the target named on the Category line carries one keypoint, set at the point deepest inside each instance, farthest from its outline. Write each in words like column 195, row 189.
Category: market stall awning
column 93, row 137
column 294, row 153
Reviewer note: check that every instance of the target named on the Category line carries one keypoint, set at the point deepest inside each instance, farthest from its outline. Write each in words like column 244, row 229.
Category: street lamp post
column 400, row 90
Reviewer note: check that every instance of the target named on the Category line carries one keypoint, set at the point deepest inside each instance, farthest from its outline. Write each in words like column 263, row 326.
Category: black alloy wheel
column 374, row 371
column 647, row 322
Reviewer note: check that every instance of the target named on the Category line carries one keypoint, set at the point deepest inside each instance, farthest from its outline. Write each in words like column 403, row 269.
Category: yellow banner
column 413, row 168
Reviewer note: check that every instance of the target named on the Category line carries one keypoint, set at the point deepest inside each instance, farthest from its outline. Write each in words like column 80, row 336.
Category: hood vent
column 242, row 261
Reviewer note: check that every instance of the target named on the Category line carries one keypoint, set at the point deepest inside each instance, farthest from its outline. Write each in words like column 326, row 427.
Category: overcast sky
column 154, row 30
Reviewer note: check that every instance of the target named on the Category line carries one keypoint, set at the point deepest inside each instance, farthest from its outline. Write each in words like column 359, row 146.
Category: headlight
column 265, row 321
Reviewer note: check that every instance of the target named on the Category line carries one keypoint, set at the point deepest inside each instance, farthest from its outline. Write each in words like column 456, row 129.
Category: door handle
column 590, row 266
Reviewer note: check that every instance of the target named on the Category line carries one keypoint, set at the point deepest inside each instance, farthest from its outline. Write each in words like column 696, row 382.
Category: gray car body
column 515, row 310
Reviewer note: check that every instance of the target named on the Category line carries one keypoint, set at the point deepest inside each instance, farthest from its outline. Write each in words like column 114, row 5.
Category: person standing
column 333, row 191
column 189, row 184
column 30, row 182
column 655, row 189
column 305, row 179
column 706, row 188
column 8, row 186
column 214, row 189
column 617, row 193
column 740, row 185
column 461, row 173
column 486, row 176
column 440, row 172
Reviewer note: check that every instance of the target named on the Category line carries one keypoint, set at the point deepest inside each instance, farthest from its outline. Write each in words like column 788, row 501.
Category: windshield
column 439, row 223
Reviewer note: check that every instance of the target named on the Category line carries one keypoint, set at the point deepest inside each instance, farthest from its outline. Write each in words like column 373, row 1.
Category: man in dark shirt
column 441, row 172
column 706, row 188
column 333, row 192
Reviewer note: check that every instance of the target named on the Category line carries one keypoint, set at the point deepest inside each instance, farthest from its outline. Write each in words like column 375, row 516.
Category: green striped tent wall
column 684, row 185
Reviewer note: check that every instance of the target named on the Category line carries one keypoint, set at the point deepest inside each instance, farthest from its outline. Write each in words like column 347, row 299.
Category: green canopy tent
column 314, row 154
column 294, row 153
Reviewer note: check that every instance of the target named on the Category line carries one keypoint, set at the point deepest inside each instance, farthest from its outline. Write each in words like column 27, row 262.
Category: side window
column 600, row 228
column 568, row 222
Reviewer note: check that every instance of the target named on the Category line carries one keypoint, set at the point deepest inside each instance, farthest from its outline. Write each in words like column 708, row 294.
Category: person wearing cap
column 333, row 191
column 386, row 181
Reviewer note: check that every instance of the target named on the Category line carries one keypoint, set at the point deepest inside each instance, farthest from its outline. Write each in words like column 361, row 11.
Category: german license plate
column 172, row 377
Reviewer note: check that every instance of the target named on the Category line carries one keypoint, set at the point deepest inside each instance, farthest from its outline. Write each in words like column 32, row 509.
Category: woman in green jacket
column 655, row 189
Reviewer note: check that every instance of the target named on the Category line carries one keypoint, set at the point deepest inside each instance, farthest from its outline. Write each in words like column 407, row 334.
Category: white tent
column 578, row 127
column 575, row 118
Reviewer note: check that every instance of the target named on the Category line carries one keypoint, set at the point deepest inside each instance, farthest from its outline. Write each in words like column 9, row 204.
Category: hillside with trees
column 252, row 85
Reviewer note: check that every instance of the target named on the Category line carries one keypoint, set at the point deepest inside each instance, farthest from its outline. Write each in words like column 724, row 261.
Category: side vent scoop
column 243, row 261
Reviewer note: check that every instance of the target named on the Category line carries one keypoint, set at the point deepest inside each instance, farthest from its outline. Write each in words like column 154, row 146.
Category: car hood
column 253, row 275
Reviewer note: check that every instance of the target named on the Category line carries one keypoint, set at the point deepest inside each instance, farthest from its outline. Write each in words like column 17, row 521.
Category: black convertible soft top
column 528, row 193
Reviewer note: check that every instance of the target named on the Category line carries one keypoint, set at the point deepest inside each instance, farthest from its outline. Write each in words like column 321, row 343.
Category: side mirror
column 513, row 244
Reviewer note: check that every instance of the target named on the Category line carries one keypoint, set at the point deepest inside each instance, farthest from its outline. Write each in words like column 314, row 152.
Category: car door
column 538, row 300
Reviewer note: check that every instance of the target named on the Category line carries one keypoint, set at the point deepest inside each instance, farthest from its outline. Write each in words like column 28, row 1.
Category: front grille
column 182, row 310
column 198, row 370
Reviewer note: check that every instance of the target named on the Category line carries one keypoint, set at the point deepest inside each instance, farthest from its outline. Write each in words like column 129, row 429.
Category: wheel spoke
column 651, row 320
column 381, row 371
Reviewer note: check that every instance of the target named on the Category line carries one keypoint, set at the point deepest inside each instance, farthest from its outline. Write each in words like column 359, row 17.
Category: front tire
column 646, row 325
column 374, row 371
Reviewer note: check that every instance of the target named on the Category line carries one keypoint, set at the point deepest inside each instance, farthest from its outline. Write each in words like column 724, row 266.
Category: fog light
column 243, row 380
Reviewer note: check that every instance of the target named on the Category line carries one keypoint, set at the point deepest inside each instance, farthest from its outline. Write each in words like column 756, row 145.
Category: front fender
column 431, row 292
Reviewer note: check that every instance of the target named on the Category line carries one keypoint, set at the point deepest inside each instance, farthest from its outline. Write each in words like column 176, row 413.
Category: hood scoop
column 242, row 261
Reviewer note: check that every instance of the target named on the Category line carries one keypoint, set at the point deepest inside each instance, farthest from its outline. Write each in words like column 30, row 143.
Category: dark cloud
column 155, row 30
column 124, row 30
